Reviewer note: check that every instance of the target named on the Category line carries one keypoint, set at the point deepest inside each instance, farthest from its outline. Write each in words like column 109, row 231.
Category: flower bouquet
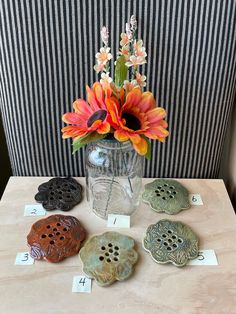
column 117, row 110
column 120, row 107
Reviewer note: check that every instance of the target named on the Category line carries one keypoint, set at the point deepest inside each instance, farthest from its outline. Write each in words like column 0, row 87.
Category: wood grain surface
column 154, row 288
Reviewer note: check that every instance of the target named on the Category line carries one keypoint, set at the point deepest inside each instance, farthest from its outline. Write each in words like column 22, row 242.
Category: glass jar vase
column 113, row 177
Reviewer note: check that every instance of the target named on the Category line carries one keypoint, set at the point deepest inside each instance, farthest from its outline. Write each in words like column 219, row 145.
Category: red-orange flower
column 88, row 116
column 138, row 116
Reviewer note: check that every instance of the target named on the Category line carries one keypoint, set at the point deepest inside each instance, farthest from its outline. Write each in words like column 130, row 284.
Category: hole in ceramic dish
column 58, row 224
column 116, row 253
column 50, row 235
column 116, row 248
column 165, row 243
column 180, row 240
column 169, row 248
column 163, row 198
column 43, row 236
column 168, row 192
column 158, row 194
column 173, row 237
column 175, row 245
column 111, row 251
column 51, row 242
column 54, row 229
column 115, row 259
column 58, row 233
column 108, row 260
column 169, row 231
column 164, row 236
column 169, row 240
column 162, row 190
column 48, row 227
column 158, row 240
column 51, row 198
column 60, row 198
column 172, row 187
column 62, row 238
column 174, row 192
column 171, row 196
column 101, row 258
column 64, row 229
column 60, row 192
column 159, row 187
column 107, row 254
column 157, row 191
column 109, row 244
column 165, row 184
column 103, row 248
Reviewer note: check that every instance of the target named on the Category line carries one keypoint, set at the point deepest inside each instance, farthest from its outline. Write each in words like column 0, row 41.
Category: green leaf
column 88, row 138
column 120, row 71
column 149, row 150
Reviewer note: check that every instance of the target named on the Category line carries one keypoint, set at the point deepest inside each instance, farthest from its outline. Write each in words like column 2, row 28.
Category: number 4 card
column 81, row 284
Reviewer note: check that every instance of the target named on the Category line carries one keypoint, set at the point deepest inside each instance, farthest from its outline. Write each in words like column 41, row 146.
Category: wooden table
column 154, row 288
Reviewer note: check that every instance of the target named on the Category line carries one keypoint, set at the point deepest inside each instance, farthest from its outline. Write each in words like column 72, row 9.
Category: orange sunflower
column 88, row 116
column 137, row 119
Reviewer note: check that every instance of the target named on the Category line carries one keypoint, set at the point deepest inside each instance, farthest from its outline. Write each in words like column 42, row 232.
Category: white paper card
column 205, row 257
column 118, row 221
column 195, row 199
column 34, row 210
column 24, row 258
column 81, row 284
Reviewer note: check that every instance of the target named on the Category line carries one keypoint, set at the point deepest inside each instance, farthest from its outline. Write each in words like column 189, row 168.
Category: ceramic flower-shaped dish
column 55, row 238
column 171, row 242
column 59, row 193
column 109, row 257
column 167, row 196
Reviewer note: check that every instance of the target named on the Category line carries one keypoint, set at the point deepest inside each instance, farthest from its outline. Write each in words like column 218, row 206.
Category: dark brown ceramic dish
column 59, row 193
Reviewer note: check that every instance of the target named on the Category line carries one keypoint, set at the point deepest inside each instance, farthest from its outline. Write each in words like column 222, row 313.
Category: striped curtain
column 47, row 52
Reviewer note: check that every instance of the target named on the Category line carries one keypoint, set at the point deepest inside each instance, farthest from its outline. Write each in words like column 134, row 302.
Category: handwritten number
column 82, row 280
column 194, row 199
column 26, row 256
column 34, row 212
column 201, row 256
column 114, row 222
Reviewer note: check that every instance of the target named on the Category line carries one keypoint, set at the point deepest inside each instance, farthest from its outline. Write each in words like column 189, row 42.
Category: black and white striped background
column 47, row 57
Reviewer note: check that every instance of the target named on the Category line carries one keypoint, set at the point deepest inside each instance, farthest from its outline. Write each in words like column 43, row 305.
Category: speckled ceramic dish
column 171, row 242
column 167, row 196
column 109, row 257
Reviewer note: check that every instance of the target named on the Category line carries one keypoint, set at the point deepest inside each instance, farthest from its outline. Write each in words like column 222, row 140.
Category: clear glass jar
column 113, row 177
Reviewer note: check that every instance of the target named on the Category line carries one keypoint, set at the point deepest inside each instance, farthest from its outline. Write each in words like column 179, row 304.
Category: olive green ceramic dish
column 167, row 196
column 171, row 242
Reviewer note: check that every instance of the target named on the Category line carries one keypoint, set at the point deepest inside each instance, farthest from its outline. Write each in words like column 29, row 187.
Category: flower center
column 98, row 115
column 132, row 122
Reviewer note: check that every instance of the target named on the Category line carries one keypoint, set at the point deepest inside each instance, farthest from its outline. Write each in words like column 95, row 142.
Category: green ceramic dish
column 109, row 257
column 167, row 196
column 171, row 242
